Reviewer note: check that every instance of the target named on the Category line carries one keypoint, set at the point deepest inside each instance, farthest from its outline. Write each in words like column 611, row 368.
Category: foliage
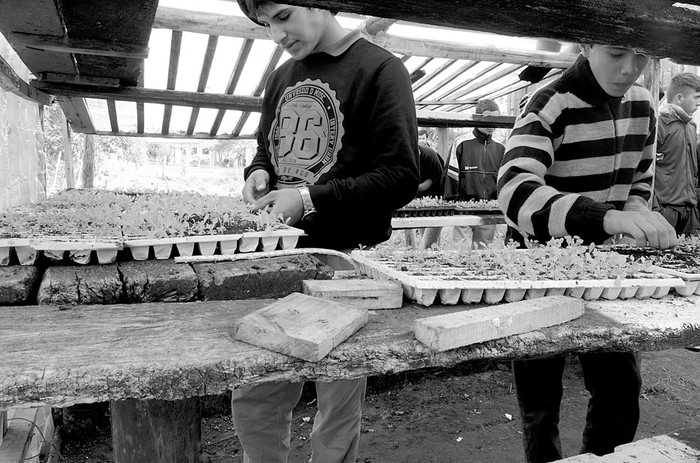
column 144, row 214
column 560, row 259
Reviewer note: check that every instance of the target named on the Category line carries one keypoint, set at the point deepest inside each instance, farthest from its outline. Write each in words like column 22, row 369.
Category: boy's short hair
column 423, row 131
column 681, row 81
column 486, row 104
column 250, row 8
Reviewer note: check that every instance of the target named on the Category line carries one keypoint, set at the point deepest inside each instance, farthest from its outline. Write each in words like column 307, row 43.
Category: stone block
column 260, row 278
column 18, row 284
column 158, row 281
column 93, row 284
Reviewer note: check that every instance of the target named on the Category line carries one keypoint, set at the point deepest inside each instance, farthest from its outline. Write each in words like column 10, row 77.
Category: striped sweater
column 574, row 153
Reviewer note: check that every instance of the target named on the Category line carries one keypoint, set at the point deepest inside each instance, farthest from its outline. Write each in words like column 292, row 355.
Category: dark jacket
column 472, row 167
column 430, row 167
column 676, row 175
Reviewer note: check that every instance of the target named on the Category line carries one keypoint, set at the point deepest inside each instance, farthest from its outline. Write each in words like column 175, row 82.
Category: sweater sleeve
column 528, row 203
column 392, row 179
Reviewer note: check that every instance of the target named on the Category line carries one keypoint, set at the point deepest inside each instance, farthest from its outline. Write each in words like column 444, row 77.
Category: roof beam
column 203, row 78
column 660, row 28
column 243, row 54
column 175, row 45
column 77, row 113
column 442, row 119
column 236, row 26
column 77, row 46
column 453, row 50
column 11, row 82
column 155, row 96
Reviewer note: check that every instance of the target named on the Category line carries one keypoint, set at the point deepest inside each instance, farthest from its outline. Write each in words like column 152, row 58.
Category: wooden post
column 68, row 154
column 156, row 431
column 652, row 77
column 443, row 143
column 89, row 162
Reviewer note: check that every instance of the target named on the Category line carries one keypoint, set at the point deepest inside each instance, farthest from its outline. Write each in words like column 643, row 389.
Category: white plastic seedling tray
column 56, row 248
column 447, row 288
column 692, row 281
column 285, row 238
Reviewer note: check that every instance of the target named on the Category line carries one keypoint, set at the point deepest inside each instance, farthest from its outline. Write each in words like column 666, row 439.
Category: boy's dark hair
column 681, row 81
column 423, row 131
column 486, row 104
column 250, row 8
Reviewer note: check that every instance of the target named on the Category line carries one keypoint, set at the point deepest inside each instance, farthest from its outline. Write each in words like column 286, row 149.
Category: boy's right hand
column 256, row 186
column 648, row 228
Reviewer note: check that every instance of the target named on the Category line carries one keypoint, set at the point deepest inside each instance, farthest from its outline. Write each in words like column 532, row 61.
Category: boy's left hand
column 286, row 202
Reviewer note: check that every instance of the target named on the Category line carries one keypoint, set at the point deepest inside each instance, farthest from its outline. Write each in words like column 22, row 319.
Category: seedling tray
column 425, row 211
column 57, row 248
column 451, row 286
column 162, row 248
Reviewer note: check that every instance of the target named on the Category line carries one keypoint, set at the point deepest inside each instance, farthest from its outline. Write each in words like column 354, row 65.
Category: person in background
column 431, row 174
column 472, row 168
column 579, row 162
column 676, row 175
column 337, row 154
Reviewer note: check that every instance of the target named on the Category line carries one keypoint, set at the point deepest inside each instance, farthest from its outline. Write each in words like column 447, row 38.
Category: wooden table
column 61, row 356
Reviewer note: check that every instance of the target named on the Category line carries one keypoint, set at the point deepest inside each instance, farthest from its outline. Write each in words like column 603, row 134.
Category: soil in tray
column 683, row 258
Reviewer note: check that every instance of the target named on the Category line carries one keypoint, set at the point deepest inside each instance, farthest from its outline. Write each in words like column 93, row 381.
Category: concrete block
column 18, row 284
column 94, row 284
column 158, row 281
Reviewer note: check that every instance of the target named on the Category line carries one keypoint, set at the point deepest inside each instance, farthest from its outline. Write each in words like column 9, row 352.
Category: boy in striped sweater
column 579, row 162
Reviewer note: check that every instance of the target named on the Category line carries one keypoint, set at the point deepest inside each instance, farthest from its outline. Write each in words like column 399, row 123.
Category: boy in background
column 472, row 169
column 579, row 162
column 337, row 154
column 676, row 175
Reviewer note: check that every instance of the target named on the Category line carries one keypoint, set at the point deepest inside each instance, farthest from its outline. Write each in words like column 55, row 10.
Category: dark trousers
column 614, row 383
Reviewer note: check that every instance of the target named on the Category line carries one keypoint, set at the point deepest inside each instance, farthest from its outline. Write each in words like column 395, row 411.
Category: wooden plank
column 151, row 95
column 363, row 293
column 79, row 80
column 243, row 54
column 113, row 118
column 78, row 113
column 299, row 325
column 444, row 119
column 235, row 26
column 445, row 332
column 63, row 355
column 629, row 23
column 78, row 46
column 67, row 153
column 3, row 425
column 11, row 82
column 203, row 78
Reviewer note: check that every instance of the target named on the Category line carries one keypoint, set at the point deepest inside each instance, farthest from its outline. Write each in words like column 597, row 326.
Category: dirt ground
column 464, row 414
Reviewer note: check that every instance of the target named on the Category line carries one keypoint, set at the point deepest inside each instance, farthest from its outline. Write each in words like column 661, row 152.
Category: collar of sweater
column 483, row 138
column 580, row 80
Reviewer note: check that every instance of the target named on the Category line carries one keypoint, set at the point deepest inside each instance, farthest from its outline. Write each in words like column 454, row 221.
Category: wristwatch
column 309, row 209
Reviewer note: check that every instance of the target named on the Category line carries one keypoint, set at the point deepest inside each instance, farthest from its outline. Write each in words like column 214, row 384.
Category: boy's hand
column 256, row 186
column 648, row 228
column 286, row 202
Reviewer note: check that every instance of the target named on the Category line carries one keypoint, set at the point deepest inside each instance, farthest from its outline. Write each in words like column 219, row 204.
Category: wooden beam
column 113, row 119
column 442, row 119
column 78, row 79
column 243, row 54
column 455, row 91
column 457, row 72
column 433, row 75
column 67, row 153
column 452, row 50
column 271, row 65
column 372, row 26
column 204, row 77
column 177, row 135
column 11, row 82
column 157, row 96
column 660, row 28
column 77, row 113
column 77, row 46
column 236, row 26
column 175, row 45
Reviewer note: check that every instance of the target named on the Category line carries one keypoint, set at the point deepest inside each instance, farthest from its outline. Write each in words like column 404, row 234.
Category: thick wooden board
column 362, row 293
column 299, row 325
column 63, row 355
column 29, row 430
column 658, row 449
column 449, row 331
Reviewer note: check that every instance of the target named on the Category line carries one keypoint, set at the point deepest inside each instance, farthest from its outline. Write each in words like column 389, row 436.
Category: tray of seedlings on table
column 428, row 206
column 682, row 261
column 477, row 207
column 79, row 223
column 508, row 274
